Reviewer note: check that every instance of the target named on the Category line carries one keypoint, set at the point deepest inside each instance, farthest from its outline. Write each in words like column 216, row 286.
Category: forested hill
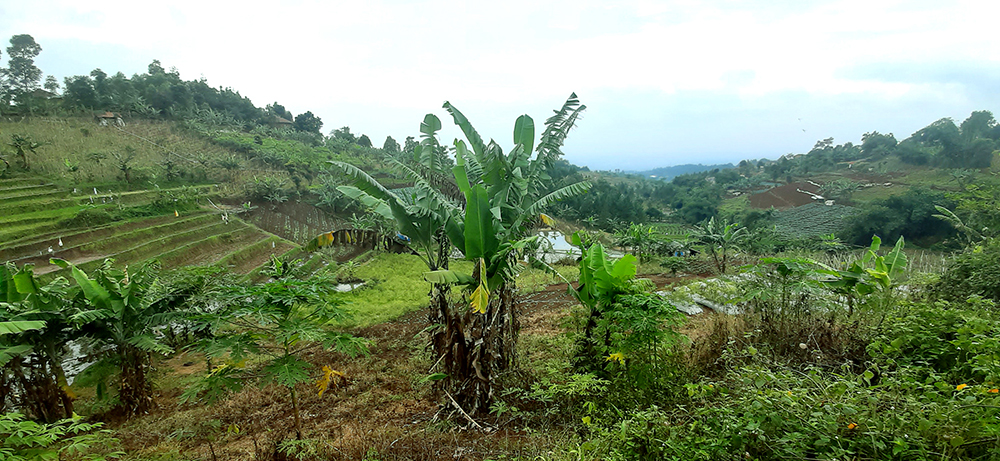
column 667, row 173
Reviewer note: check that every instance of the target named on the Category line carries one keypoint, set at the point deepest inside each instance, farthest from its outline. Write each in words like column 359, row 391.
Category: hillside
column 148, row 190
column 670, row 172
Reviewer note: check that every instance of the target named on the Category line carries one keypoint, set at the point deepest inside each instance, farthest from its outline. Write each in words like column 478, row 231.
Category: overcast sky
column 665, row 83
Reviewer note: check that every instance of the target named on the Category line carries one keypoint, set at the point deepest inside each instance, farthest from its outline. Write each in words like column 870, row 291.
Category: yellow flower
column 789, row 393
column 616, row 357
column 852, row 426
column 993, row 391
column 961, row 386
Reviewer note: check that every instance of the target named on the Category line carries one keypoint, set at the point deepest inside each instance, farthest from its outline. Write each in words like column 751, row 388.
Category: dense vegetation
column 695, row 325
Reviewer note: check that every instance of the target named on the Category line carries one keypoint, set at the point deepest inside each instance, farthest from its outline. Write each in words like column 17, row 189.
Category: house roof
column 281, row 120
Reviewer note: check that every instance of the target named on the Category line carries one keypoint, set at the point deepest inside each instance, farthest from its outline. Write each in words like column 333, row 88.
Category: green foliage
column 910, row 214
column 719, row 237
column 628, row 332
column 638, row 239
column 872, row 280
column 674, row 264
column 976, row 271
column 950, row 342
column 25, row 440
column 276, row 321
column 128, row 310
column 36, row 322
column 23, row 145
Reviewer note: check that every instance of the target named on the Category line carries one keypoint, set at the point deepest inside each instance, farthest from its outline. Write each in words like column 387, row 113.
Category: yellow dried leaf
column 328, row 374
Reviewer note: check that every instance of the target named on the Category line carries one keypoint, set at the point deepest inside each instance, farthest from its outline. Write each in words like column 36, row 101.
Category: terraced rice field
column 812, row 220
column 34, row 227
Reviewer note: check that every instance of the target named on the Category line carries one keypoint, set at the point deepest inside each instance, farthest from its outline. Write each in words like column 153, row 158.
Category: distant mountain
column 667, row 173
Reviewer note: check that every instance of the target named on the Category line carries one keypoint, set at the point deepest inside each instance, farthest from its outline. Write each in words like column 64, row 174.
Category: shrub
column 974, row 272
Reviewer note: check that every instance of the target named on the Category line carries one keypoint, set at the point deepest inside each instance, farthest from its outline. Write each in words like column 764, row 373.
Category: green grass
column 396, row 287
column 532, row 280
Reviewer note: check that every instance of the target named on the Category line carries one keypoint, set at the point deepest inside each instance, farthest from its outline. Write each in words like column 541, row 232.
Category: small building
column 109, row 118
column 280, row 123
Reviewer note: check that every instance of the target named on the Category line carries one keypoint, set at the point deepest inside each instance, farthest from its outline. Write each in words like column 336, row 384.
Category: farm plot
column 41, row 221
column 812, row 220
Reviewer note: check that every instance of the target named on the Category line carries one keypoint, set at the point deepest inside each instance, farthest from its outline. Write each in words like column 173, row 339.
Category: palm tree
column 719, row 237
column 485, row 211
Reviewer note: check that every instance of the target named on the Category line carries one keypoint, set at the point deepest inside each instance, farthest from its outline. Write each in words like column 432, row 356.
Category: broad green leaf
column 480, row 235
column 92, row 290
column 475, row 141
column 524, row 133
column 449, row 277
column 24, row 281
column 895, row 261
column 8, row 353
column 461, row 175
column 376, row 204
column 20, row 326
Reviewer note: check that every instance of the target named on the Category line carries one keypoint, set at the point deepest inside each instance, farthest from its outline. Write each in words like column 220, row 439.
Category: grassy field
column 78, row 151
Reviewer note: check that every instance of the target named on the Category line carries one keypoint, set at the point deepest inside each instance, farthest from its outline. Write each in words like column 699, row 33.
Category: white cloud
column 380, row 62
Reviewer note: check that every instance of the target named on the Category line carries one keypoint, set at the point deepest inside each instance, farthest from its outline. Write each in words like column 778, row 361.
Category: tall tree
column 308, row 122
column 980, row 124
column 390, row 145
column 364, row 141
column 22, row 74
column 279, row 110
column 344, row 134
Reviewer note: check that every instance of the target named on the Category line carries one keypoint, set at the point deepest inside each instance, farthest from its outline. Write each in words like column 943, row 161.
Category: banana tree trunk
column 475, row 349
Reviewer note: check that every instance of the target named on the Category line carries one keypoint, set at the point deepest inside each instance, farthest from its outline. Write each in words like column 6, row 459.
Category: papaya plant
column 274, row 322
column 627, row 327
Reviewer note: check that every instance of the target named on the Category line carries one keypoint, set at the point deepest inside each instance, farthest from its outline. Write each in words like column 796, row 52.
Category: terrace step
column 249, row 258
column 17, row 230
column 7, row 183
column 21, row 191
column 148, row 249
column 75, row 237
column 208, row 250
column 112, row 241
column 33, row 204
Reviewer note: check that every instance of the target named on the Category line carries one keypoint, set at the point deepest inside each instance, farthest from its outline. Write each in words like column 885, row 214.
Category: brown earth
column 784, row 197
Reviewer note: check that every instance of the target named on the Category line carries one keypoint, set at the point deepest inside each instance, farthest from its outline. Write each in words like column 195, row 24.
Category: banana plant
column 874, row 273
column 719, row 237
column 36, row 323
column 125, row 309
column 500, row 199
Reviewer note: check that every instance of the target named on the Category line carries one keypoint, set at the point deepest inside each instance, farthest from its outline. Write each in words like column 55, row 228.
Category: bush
column 22, row 440
column 974, row 272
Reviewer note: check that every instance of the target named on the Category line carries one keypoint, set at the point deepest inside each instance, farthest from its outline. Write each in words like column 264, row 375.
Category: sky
column 664, row 82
